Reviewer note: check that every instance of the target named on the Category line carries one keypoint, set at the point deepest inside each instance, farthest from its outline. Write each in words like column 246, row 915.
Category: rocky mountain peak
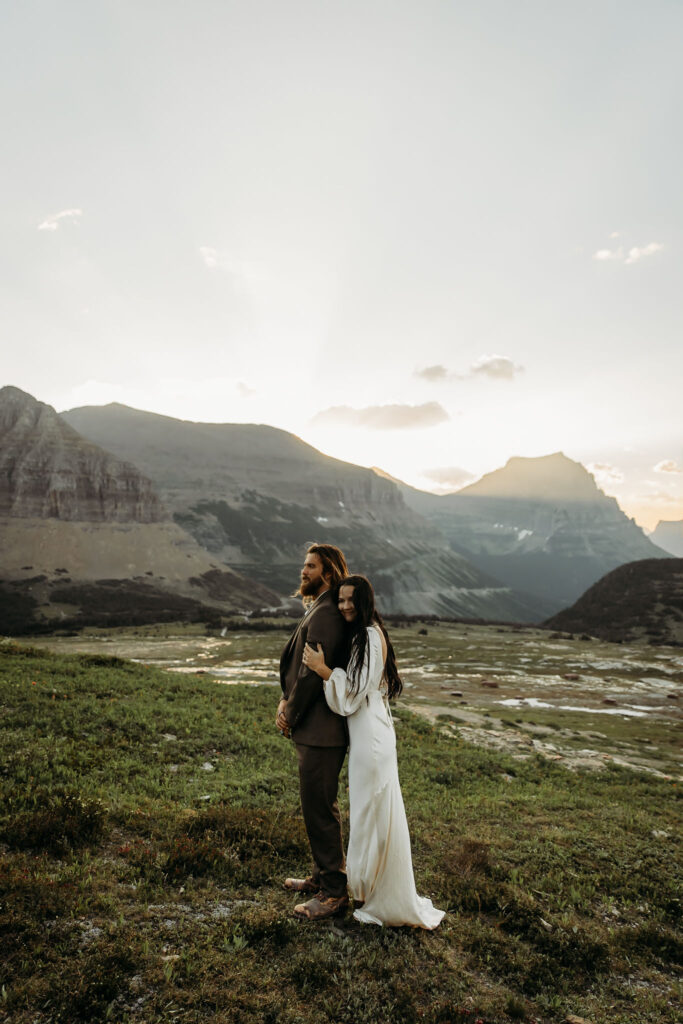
column 19, row 408
column 554, row 478
column 47, row 470
column 541, row 525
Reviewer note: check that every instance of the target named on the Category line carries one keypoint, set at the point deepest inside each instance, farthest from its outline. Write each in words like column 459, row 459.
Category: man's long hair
column 367, row 615
column 334, row 563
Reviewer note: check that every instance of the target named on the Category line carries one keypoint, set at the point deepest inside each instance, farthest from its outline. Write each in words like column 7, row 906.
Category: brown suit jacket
column 311, row 721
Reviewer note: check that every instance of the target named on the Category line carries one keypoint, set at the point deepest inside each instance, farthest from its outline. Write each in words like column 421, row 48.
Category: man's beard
column 310, row 588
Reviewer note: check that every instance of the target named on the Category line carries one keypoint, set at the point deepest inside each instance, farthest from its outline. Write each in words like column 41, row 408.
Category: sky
column 424, row 235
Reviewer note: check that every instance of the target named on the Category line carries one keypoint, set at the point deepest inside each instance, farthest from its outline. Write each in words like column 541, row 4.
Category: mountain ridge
column 522, row 525
column 256, row 496
column 521, row 542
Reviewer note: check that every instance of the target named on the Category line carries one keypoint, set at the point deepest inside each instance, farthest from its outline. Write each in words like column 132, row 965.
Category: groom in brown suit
column 320, row 736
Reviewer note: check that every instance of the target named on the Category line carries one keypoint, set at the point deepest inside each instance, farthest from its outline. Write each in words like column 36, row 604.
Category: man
column 320, row 736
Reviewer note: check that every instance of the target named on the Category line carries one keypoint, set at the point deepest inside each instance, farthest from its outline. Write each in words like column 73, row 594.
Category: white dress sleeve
column 345, row 695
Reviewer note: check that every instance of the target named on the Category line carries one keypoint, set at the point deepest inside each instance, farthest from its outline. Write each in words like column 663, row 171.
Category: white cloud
column 244, row 390
column 636, row 254
column 448, row 476
column 605, row 474
column 626, row 256
column 496, row 366
column 384, row 417
column 667, row 466
column 609, row 254
column 52, row 223
column 433, row 373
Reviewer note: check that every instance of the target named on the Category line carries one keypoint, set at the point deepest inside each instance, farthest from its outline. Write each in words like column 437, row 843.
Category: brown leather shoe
column 322, row 906
column 301, row 884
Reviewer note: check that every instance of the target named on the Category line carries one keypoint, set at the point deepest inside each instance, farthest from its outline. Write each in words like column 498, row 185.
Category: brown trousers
column 319, row 769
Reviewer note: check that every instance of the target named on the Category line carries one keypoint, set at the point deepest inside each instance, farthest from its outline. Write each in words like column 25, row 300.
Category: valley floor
column 148, row 817
column 579, row 701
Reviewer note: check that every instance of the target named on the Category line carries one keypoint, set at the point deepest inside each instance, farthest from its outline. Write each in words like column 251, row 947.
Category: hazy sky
column 421, row 235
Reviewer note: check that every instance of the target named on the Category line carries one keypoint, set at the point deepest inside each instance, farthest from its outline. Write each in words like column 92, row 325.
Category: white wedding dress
column 379, row 863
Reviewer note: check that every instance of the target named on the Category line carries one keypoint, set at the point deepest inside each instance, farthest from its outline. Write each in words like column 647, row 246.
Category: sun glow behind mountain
column 427, row 245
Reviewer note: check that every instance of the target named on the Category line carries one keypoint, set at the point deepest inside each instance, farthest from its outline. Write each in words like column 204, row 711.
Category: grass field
column 147, row 820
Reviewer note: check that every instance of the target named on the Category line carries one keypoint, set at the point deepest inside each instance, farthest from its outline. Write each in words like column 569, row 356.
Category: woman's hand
column 314, row 659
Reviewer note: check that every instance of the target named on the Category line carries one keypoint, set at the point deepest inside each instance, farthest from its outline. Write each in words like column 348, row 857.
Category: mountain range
column 541, row 525
column 115, row 498
column 255, row 496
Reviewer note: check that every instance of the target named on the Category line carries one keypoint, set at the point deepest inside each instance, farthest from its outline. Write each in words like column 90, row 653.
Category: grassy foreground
column 147, row 821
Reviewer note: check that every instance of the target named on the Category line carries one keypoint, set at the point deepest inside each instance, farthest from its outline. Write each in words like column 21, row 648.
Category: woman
column 379, row 863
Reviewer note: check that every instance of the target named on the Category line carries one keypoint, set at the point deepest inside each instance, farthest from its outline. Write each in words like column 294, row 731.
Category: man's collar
column 315, row 602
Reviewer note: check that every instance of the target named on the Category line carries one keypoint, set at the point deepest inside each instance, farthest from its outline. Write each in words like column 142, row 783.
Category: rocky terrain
column 531, row 692
column 84, row 537
column 540, row 525
column 255, row 496
column 639, row 601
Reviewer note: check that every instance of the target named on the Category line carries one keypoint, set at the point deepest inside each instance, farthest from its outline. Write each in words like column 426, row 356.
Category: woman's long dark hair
column 367, row 615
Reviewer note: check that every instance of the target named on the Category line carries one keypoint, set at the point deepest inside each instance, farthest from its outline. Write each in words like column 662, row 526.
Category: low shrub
column 250, row 830
column 661, row 943
column 56, row 822
column 465, row 878
column 88, row 986
column 261, row 926
column 196, row 857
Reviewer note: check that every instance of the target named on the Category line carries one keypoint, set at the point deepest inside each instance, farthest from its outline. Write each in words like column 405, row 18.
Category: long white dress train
column 379, row 864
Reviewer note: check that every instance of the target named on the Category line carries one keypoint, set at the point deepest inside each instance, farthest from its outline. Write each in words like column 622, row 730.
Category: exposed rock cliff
column 47, row 470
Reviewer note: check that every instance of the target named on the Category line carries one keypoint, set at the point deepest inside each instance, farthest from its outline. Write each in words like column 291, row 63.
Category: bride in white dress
column 379, row 863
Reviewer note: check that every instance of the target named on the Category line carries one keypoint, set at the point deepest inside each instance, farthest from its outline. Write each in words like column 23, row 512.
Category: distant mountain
column 668, row 534
column 255, row 496
column 84, row 537
column 639, row 601
column 540, row 525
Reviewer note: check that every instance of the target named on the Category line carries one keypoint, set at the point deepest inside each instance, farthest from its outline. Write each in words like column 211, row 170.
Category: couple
column 337, row 673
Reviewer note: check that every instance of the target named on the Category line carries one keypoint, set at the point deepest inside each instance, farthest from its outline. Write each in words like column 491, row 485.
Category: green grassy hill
column 147, row 821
